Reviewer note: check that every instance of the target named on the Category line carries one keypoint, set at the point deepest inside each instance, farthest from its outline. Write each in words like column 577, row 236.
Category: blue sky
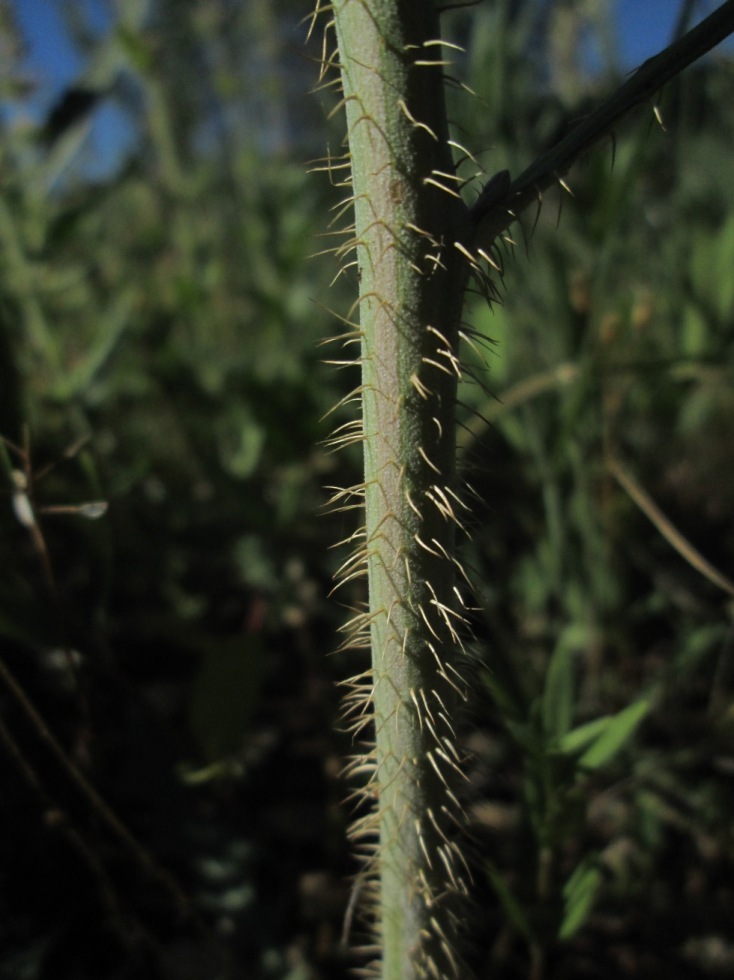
column 644, row 26
column 53, row 63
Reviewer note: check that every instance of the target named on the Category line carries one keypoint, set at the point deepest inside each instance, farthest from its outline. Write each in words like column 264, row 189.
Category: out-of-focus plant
column 164, row 309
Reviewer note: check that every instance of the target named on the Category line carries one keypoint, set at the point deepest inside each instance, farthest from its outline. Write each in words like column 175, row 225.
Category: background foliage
column 168, row 312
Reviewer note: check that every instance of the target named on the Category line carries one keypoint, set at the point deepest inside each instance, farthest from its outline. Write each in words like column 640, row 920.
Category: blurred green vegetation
column 177, row 648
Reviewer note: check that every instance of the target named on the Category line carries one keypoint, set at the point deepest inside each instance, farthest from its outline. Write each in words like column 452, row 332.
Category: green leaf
column 579, row 893
column 618, row 730
column 579, row 738
column 558, row 694
column 695, row 331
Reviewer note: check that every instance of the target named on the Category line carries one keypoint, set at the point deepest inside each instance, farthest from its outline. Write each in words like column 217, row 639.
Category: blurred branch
column 521, row 392
column 552, row 166
column 674, row 538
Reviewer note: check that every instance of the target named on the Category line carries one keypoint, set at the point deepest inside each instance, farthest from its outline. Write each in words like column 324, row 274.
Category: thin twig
column 649, row 78
column 674, row 538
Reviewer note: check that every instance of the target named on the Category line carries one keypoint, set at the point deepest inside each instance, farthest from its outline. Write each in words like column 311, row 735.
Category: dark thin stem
column 641, row 87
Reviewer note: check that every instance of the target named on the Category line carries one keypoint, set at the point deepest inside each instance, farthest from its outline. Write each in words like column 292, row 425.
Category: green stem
column 407, row 217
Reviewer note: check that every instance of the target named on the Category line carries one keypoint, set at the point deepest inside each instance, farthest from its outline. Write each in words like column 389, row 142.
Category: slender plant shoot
column 408, row 219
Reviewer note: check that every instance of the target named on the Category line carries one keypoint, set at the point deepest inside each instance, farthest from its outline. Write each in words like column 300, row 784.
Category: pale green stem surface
column 407, row 217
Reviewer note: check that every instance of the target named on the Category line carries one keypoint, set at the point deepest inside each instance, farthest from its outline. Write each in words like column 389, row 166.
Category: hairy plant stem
column 407, row 217
column 415, row 245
